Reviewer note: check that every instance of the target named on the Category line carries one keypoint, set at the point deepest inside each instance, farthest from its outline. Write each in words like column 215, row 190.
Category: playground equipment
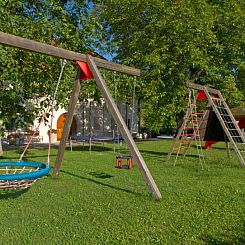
column 117, row 137
column 119, row 161
column 22, row 174
column 92, row 63
column 214, row 122
column 189, row 130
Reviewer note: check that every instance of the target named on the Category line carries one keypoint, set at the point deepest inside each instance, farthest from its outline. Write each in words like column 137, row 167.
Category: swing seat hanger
column 86, row 73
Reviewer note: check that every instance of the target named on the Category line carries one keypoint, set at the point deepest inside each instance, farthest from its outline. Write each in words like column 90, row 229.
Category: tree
column 175, row 42
column 26, row 77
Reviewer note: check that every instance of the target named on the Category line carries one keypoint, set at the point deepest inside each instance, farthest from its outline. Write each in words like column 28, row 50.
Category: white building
column 91, row 119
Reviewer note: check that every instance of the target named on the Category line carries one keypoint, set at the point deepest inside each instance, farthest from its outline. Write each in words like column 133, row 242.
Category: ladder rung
column 190, row 120
column 194, row 127
column 197, row 113
column 185, row 141
column 181, row 148
column 215, row 98
column 205, row 107
column 186, row 135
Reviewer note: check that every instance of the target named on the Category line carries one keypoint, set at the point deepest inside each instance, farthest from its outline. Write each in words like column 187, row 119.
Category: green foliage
column 34, row 76
column 92, row 202
column 175, row 42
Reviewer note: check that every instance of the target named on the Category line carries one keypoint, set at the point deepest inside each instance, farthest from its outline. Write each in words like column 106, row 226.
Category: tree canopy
column 26, row 76
column 172, row 42
column 175, row 42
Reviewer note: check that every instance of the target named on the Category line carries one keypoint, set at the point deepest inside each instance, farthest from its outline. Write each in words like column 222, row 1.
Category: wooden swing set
column 87, row 68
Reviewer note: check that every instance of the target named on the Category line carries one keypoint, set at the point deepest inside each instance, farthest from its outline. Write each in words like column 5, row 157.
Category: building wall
column 44, row 127
column 95, row 119
column 92, row 118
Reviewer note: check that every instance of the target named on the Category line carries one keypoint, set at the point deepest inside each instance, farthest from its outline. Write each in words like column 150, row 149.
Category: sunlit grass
column 92, row 202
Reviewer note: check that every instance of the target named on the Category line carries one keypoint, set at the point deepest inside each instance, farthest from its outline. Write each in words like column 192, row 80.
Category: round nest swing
column 21, row 175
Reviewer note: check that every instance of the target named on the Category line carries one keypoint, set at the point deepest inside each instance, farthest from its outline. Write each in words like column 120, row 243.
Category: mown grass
column 92, row 202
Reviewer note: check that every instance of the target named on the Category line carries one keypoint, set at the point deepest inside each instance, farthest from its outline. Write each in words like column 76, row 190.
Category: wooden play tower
column 212, row 120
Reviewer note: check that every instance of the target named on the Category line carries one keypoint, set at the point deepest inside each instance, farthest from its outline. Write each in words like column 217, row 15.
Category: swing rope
column 22, row 174
column 53, row 104
column 34, row 134
column 50, row 107
column 116, row 135
column 133, row 107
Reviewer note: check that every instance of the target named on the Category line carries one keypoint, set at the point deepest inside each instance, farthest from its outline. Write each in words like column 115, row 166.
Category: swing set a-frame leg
column 124, row 129
column 68, row 122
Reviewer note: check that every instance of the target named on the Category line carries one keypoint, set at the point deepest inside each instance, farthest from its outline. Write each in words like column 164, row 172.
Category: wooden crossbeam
column 202, row 88
column 30, row 45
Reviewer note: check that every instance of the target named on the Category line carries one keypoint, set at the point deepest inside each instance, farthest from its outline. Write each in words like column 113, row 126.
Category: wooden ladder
column 189, row 131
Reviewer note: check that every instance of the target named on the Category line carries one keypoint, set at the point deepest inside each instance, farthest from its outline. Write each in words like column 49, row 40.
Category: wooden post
column 227, row 146
column 123, row 129
column 68, row 122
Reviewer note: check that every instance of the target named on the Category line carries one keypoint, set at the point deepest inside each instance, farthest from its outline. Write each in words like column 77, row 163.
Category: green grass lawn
column 92, row 202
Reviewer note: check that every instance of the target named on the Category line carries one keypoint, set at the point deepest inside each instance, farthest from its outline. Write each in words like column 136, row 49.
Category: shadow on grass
column 216, row 241
column 36, row 156
column 187, row 155
column 160, row 154
column 193, row 146
column 11, row 194
column 101, row 183
column 218, row 148
column 24, row 158
column 226, row 239
column 101, row 175
column 154, row 153
column 22, row 147
column 8, row 158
